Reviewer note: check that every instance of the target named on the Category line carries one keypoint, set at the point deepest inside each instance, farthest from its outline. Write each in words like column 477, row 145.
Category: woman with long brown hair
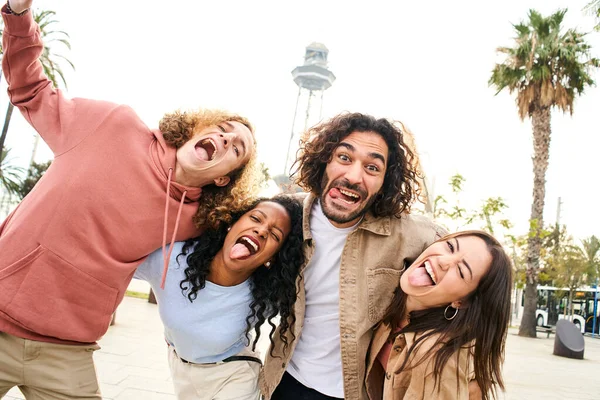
column 446, row 325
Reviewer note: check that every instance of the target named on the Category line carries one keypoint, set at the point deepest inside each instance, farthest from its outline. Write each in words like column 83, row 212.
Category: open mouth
column 430, row 272
column 423, row 275
column 206, row 149
column 345, row 195
column 244, row 247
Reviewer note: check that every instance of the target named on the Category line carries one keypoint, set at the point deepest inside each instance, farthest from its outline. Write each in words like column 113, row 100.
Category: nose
column 354, row 173
column 227, row 138
column 444, row 262
column 261, row 231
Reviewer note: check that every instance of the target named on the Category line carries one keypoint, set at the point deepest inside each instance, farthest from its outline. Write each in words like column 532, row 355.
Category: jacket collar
column 377, row 225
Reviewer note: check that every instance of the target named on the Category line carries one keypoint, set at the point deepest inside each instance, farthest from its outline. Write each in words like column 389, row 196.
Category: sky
column 424, row 63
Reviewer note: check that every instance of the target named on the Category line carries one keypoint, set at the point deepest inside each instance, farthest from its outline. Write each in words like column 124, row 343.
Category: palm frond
column 545, row 67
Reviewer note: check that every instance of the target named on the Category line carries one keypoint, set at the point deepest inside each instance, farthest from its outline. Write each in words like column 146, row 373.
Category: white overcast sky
column 426, row 63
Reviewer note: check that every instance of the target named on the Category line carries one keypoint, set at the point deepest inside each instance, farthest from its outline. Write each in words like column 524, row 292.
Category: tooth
column 429, row 270
column 254, row 246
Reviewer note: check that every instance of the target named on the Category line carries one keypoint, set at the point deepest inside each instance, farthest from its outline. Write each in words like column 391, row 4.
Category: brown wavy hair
column 481, row 326
column 400, row 186
column 217, row 204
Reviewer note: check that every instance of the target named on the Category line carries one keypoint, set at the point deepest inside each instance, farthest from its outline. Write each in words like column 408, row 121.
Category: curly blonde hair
column 217, row 204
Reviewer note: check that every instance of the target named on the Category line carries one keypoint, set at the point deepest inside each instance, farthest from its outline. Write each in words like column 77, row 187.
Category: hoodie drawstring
column 167, row 255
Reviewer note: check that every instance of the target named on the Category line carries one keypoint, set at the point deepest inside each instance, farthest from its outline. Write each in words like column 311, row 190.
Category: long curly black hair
column 273, row 289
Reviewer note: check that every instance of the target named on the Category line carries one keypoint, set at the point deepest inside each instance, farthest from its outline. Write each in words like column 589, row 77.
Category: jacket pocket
column 381, row 283
column 51, row 297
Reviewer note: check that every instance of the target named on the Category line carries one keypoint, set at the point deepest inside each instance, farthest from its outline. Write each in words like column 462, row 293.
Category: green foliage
column 10, row 175
column 266, row 176
column 593, row 8
column 489, row 214
column 36, row 171
column 590, row 252
column 546, row 67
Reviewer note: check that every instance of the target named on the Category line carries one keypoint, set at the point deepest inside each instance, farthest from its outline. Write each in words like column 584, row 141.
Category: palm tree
column 546, row 69
column 593, row 8
column 51, row 61
column 10, row 175
column 590, row 252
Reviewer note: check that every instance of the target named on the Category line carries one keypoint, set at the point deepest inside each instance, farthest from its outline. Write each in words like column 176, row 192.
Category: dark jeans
column 290, row 389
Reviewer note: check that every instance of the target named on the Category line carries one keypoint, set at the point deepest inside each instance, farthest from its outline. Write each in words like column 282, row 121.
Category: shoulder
column 419, row 227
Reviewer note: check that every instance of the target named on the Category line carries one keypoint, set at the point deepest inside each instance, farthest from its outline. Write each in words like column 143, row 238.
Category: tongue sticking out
column 239, row 251
column 420, row 277
column 335, row 193
column 201, row 153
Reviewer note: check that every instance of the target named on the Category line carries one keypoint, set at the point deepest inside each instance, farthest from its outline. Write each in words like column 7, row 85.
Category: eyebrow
column 463, row 260
column 377, row 156
column 265, row 216
column 232, row 127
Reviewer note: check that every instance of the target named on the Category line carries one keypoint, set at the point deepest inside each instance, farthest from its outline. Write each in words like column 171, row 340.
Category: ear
column 458, row 304
column 222, row 181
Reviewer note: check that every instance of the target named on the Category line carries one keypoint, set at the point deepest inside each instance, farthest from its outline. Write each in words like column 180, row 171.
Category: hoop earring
column 453, row 316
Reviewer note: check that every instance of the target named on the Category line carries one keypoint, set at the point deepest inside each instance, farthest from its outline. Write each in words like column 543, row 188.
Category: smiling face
column 446, row 272
column 255, row 238
column 353, row 177
column 213, row 153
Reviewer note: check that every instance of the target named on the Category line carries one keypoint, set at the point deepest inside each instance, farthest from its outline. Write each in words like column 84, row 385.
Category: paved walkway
column 132, row 363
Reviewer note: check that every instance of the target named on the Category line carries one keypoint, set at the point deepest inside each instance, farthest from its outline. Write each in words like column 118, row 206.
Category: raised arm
column 61, row 122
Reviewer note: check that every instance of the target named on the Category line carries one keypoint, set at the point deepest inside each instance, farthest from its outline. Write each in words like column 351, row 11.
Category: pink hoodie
column 71, row 247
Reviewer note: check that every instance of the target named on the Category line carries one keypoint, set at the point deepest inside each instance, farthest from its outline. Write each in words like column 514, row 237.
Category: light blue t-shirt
column 209, row 329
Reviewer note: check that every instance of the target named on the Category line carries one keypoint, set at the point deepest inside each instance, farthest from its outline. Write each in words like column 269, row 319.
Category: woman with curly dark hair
column 446, row 325
column 222, row 287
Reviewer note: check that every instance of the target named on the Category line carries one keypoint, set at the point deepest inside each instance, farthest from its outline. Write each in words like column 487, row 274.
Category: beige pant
column 234, row 380
column 47, row 371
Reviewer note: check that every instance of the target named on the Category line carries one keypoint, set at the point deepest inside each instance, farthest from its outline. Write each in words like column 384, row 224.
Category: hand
column 18, row 6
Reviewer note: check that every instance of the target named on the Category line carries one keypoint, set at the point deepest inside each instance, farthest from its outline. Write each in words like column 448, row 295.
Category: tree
column 593, row 8
column 51, row 61
column 570, row 271
column 546, row 69
column 489, row 213
column 10, row 175
column 35, row 173
column 590, row 251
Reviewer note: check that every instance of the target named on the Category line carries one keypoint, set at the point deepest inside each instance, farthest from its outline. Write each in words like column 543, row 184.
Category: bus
column 552, row 301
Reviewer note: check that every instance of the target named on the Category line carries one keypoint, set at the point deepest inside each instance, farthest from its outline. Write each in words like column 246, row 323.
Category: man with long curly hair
column 362, row 179
column 116, row 191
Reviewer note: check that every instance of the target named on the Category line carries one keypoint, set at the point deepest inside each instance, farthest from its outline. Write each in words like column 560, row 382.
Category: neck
column 220, row 275
column 413, row 305
column 186, row 178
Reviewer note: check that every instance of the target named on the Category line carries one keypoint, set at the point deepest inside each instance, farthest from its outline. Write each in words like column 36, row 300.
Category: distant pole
column 595, row 321
column 285, row 168
column 306, row 118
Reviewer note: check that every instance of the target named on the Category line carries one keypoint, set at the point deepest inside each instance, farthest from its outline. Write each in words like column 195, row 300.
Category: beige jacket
column 415, row 383
column 371, row 262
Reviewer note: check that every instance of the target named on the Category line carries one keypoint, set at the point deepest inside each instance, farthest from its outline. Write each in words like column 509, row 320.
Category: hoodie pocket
column 51, row 297
column 381, row 284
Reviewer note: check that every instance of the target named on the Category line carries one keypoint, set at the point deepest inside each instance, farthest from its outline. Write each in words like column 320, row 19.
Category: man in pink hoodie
column 115, row 192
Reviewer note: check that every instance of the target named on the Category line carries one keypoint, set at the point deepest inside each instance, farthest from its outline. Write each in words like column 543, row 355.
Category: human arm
column 61, row 122
column 20, row 6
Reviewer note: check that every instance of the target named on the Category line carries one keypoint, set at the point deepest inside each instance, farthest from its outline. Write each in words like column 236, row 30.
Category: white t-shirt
column 317, row 359
column 211, row 328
